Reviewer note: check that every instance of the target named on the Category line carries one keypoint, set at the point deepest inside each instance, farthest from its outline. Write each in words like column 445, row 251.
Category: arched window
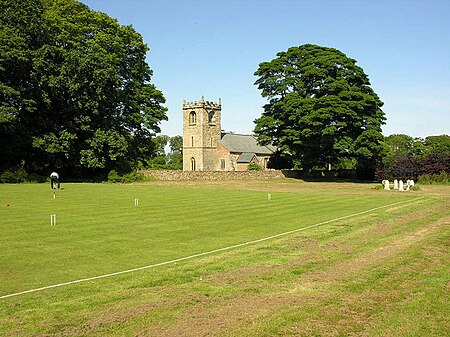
column 192, row 164
column 192, row 118
column 211, row 117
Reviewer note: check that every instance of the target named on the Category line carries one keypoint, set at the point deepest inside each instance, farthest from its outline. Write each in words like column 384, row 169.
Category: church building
column 207, row 148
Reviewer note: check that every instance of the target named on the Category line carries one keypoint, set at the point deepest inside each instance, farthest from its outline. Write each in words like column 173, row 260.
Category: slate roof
column 245, row 143
column 246, row 157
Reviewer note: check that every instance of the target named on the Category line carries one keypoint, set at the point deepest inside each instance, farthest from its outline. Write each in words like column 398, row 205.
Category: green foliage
column 18, row 175
column 160, row 142
column 400, row 143
column 114, row 177
column 438, row 144
column 409, row 157
column 131, row 177
column 75, row 89
column 441, row 178
column 407, row 167
column 170, row 161
column 321, row 108
column 253, row 167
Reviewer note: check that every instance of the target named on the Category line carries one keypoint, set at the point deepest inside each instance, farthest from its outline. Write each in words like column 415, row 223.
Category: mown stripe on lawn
column 206, row 253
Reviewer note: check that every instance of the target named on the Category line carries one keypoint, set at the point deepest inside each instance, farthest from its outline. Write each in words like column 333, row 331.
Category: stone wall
column 248, row 175
column 211, row 175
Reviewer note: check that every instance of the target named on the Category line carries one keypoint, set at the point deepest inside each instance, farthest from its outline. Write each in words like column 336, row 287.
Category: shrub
column 437, row 178
column 253, row 167
column 132, row 177
column 434, row 167
column 18, row 175
column 114, row 177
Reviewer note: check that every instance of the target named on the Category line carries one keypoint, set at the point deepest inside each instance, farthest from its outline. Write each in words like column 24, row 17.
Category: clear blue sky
column 213, row 47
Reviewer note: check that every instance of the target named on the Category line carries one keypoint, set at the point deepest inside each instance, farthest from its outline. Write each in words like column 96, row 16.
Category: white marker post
column 136, row 202
column 269, row 196
column 52, row 219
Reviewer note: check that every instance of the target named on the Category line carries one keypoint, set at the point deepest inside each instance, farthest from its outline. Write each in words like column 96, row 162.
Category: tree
column 438, row 144
column 20, row 34
column 76, row 89
column 321, row 108
column 400, row 144
column 175, row 157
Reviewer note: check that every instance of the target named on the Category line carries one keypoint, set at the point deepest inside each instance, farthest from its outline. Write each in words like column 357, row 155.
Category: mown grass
column 335, row 279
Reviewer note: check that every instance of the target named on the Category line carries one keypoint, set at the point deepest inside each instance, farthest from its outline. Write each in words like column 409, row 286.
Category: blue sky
column 212, row 48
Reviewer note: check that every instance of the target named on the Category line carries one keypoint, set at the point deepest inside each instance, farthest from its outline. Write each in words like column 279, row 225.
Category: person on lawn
column 54, row 180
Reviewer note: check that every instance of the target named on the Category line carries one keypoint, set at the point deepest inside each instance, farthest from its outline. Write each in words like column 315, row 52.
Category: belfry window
column 192, row 118
column 192, row 164
column 211, row 117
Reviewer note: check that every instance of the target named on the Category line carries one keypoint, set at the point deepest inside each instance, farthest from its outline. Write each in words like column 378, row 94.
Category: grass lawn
column 348, row 276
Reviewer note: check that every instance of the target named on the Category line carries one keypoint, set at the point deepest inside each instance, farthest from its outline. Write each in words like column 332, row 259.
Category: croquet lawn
column 369, row 262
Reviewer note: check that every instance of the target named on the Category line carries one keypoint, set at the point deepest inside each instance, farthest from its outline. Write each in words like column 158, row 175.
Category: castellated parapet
column 202, row 103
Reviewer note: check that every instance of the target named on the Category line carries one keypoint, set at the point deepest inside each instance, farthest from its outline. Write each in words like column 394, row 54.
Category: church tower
column 201, row 132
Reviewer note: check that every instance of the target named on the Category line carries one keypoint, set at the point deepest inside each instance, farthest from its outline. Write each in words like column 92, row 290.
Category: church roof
column 246, row 157
column 245, row 143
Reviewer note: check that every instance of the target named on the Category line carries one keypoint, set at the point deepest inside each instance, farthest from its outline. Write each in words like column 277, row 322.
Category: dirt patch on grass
column 348, row 313
column 225, row 315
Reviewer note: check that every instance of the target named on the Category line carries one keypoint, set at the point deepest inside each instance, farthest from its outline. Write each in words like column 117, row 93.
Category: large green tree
column 437, row 144
column 75, row 88
column 321, row 108
column 404, row 145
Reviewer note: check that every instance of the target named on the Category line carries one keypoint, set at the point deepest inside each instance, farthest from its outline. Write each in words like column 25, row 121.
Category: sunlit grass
column 100, row 231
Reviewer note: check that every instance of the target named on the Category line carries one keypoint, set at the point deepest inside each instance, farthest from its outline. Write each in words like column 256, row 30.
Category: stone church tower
column 201, row 133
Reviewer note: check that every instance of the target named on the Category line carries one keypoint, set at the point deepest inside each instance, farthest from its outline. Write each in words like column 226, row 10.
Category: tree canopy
column 75, row 91
column 321, row 108
column 407, row 157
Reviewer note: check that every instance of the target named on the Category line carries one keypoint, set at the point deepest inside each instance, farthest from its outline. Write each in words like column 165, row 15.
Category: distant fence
column 245, row 175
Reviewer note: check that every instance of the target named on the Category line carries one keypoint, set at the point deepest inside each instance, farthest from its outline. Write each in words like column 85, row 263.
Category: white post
column 269, row 196
column 136, row 202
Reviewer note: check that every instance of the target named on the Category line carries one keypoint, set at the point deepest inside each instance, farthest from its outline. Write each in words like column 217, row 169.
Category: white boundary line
column 205, row 253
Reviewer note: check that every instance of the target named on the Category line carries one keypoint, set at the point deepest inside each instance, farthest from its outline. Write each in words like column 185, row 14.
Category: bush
column 132, row 177
column 14, row 176
column 253, row 167
column 114, row 177
column 437, row 178
column 432, row 168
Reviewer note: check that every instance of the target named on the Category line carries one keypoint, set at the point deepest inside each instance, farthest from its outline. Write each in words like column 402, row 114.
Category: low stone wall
column 211, row 175
column 247, row 175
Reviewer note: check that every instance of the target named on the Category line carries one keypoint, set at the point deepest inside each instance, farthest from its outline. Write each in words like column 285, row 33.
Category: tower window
column 192, row 118
column 211, row 117
column 192, row 141
column 192, row 164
